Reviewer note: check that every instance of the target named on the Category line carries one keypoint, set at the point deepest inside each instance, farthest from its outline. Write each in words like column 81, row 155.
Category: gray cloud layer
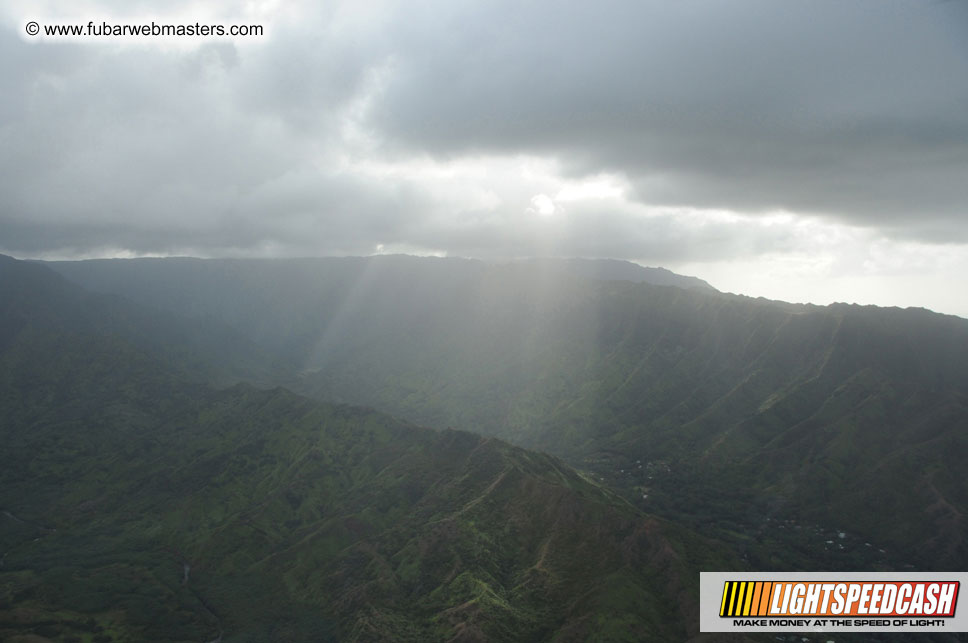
column 856, row 111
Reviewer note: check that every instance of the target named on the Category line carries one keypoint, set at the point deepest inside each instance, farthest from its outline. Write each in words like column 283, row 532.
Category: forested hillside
column 692, row 402
column 139, row 505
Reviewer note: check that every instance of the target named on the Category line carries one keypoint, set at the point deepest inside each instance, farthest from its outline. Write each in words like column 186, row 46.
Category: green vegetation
column 759, row 412
column 159, row 485
column 141, row 505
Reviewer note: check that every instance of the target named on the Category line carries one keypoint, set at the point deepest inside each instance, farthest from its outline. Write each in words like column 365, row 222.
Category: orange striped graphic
column 746, row 598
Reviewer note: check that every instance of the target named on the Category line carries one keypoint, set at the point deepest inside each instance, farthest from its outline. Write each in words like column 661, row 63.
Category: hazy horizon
column 710, row 281
column 803, row 151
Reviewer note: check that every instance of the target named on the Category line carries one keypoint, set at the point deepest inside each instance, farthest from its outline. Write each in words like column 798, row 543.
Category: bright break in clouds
column 809, row 151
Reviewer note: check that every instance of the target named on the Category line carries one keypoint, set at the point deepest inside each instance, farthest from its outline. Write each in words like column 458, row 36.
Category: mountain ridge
column 141, row 505
column 612, row 375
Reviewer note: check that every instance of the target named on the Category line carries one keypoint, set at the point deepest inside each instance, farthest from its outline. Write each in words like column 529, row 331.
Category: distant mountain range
column 139, row 503
column 613, row 270
column 836, row 415
column 788, row 436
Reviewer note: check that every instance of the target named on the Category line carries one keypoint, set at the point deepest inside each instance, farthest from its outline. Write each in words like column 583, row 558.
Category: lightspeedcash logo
column 777, row 598
column 831, row 602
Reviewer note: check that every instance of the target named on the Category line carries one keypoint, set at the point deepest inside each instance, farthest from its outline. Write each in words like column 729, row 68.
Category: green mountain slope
column 292, row 306
column 136, row 505
column 38, row 301
column 702, row 405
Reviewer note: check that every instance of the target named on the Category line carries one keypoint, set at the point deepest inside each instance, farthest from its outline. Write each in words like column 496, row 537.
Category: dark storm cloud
column 852, row 109
column 161, row 151
column 855, row 110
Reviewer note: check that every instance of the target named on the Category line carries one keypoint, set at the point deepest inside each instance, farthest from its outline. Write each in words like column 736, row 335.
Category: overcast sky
column 806, row 151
